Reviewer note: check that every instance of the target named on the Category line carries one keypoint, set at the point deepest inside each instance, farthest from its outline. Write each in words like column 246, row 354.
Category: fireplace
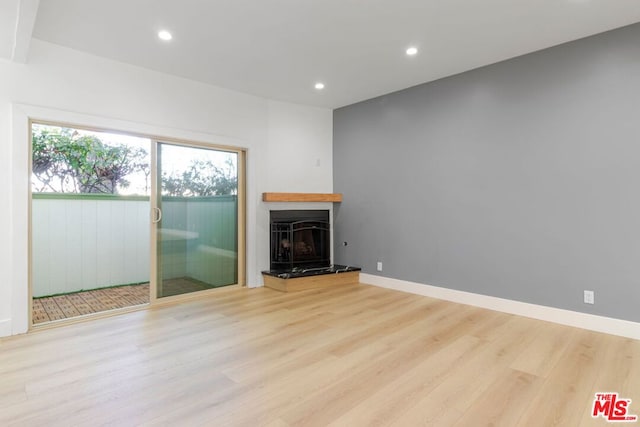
column 300, row 240
column 300, row 252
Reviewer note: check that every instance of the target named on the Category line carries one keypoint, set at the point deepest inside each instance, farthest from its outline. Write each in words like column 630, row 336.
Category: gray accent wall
column 519, row 180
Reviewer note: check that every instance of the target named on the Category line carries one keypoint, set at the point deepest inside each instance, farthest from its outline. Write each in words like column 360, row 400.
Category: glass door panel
column 196, row 219
column 89, row 228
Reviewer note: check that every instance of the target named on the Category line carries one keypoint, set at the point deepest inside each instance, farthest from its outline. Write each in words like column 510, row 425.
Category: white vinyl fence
column 82, row 242
column 87, row 242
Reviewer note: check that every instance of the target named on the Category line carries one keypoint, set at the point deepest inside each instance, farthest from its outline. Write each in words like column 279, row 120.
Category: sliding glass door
column 195, row 215
column 92, row 247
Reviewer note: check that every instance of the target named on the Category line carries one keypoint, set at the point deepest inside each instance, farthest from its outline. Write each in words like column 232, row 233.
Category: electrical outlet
column 379, row 266
column 589, row 297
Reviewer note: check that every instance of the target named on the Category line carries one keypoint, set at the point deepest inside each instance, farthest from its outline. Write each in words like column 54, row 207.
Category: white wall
column 298, row 156
column 60, row 84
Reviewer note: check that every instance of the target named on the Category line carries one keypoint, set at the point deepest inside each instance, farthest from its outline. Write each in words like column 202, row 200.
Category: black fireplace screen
column 299, row 242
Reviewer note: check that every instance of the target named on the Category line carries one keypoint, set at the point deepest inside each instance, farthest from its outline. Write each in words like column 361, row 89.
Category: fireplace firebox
column 300, row 240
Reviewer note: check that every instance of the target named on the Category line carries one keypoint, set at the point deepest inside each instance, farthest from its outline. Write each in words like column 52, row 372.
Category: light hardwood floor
column 350, row 356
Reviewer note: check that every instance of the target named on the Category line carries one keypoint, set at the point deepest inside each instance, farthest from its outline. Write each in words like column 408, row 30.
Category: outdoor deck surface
column 48, row 309
column 87, row 302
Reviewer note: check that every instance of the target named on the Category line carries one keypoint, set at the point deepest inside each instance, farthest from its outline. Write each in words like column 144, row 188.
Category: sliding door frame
column 154, row 198
column 154, row 140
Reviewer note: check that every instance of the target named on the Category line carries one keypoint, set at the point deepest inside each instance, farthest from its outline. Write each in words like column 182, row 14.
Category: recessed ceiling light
column 164, row 35
column 412, row 51
column 319, row 86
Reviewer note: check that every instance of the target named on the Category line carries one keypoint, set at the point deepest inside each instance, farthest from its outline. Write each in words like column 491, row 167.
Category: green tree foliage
column 202, row 178
column 65, row 161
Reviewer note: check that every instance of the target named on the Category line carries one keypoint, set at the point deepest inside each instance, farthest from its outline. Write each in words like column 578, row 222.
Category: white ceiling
column 279, row 48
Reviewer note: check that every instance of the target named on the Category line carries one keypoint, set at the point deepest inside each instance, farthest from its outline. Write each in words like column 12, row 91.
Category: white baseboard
column 576, row 319
column 5, row 327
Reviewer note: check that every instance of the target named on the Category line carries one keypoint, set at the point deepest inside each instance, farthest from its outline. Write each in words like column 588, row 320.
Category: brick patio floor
column 87, row 302
column 47, row 309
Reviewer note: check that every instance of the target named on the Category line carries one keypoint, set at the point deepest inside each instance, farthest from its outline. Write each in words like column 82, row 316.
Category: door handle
column 157, row 215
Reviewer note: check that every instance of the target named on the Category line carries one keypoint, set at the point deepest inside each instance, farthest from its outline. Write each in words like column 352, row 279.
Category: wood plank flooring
column 348, row 356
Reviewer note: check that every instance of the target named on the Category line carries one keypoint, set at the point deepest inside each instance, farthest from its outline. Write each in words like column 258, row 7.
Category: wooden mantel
column 302, row 197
